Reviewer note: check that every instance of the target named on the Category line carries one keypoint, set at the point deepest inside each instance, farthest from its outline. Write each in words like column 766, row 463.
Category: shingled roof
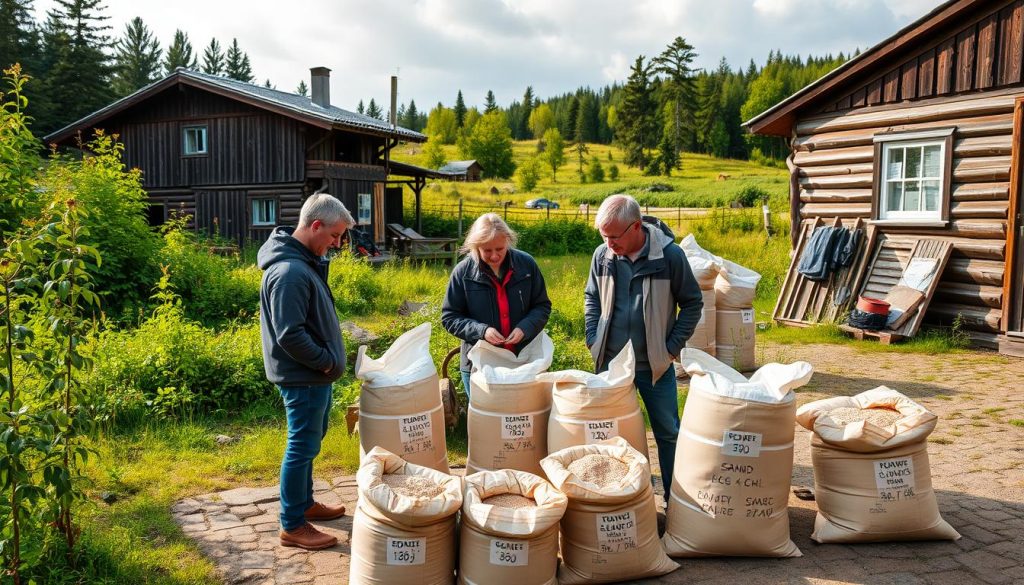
column 288, row 104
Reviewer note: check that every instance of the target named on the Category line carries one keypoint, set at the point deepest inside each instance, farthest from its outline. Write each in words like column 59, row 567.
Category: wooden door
column 1013, row 280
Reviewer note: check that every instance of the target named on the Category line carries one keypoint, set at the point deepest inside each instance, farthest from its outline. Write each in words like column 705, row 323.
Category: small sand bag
column 509, row 533
column 404, row 525
column 610, row 529
column 871, row 472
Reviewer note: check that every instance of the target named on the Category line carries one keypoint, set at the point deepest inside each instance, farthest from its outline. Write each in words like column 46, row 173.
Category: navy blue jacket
column 471, row 302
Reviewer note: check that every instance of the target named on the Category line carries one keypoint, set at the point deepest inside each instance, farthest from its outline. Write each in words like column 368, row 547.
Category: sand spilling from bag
column 882, row 417
column 598, row 469
column 413, row 486
column 510, row 501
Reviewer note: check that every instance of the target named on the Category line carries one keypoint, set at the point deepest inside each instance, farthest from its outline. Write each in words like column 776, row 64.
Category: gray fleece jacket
column 302, row 344
column 668, row 285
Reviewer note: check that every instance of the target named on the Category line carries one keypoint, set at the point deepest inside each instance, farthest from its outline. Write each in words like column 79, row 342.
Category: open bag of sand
column 587, row 408
column 735, row 286
column 404, row 525
column 610, row 528
column 400, row 403
column 734, row 460
column 509, row 407
column 509, row 529
column 871, row 472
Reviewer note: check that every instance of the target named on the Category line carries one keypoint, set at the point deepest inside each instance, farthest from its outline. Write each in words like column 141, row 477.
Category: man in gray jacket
column 641, row 290
column 303, row 354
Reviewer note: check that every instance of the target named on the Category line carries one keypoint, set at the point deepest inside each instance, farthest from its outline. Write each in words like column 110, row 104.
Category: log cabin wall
column 834, row 159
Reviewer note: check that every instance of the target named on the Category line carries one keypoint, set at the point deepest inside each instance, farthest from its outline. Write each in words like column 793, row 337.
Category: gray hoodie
column 302, row 344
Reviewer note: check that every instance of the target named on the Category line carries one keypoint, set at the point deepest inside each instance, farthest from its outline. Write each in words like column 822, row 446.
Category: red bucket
column 875, row 306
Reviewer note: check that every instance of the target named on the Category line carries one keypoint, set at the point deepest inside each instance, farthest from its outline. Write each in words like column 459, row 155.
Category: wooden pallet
column 803, row 302
column 883, row 336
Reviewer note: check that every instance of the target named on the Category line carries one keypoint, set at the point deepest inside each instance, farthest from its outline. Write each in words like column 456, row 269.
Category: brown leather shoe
column 307, row 537
column 320, row 511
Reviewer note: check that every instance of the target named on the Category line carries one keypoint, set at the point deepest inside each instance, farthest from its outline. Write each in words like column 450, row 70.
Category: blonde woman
column 496, row 293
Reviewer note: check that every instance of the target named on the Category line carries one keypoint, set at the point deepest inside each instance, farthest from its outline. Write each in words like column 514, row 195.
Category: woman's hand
column 493, row 337
column 516, row 336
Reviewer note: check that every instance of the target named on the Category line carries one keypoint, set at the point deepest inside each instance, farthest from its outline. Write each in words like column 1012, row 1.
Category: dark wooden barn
column 463, row 170
column 239, row 159
column 920, row 136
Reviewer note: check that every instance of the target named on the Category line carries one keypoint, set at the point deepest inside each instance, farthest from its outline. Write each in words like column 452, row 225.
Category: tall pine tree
column 674, row 64
column 302, row 89
column 412, row 117
column 237, row 65
column 179, row 54
column 373, row 110
column 522, row 131
column 636, row 128
column 213, row 58
column 460, row 109
column 137, row 58
column 490, row 104
column 19, row 43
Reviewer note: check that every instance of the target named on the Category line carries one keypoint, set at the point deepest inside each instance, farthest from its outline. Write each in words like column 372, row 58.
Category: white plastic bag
column 735, row 287
column 703, row 264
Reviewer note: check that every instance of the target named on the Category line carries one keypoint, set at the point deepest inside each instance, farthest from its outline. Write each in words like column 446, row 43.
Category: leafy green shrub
column 213, row 288
column 352, row 282
column 595, row 172
column 751, row 195
column 613, row 169
column 528, row 174
column 557, row 237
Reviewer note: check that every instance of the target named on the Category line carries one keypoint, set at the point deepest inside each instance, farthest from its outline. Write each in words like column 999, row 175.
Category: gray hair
column 619, row 209
column 486, row 227
column 325, row 207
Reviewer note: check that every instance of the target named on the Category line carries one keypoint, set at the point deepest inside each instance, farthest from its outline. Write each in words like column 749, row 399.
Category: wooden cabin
column 463, row 170
column 240, row 159
column 921, row 137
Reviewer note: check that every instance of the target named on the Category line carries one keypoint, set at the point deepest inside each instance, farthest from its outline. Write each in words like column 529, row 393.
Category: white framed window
column 912, row 176
column 365, row 203
column 193, row 140
column 264, row 211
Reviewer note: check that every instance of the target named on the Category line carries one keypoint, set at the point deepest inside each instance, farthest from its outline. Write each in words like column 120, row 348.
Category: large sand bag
column 509, row 407
column 404, row 525
column 871, row 472
column 509, row 533
column 734, row 337
column 588, row 408
column 735, row 287
column 610, row 529
column 734, row 460
column 400, row 404
column 703, row 264
column 705, row 335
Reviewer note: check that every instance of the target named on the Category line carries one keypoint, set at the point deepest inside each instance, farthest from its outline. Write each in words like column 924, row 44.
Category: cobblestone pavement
column 977, row 457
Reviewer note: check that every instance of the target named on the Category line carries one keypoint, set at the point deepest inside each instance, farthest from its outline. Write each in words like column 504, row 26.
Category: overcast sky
column 437, row 47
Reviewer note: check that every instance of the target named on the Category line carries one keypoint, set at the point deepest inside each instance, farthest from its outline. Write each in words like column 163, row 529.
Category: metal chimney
column 394, row 101
column 320, row 86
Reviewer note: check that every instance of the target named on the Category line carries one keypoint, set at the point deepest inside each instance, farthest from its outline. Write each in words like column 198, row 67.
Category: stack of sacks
column 705, row 267
column 588, row 408
column 735, row 289
column 610, row 529
column 404, row 525
column 871, row 474
column 509, row 529
column 400, row 404
column 734, row 460
column 508, row 408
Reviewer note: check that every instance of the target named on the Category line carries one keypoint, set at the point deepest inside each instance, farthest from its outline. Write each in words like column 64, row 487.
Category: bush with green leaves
column 751, row 195
column 595, row 172
column 528, row 174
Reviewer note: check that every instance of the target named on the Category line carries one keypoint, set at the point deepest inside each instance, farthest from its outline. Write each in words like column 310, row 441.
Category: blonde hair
column 486, row 227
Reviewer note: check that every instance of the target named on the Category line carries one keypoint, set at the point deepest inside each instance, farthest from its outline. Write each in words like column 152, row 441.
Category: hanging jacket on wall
column 828, row 249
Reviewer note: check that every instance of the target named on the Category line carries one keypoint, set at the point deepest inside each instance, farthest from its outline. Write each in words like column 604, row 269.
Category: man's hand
column 516, row 336
column 493, row 337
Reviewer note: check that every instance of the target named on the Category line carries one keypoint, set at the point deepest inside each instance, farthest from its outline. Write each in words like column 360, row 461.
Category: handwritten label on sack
column 895, row 478
column 416, row 433
column 747, row 315
column 407, row 551
column 616, row 533
column 600, row 430
column 510, row 553
column 517, row 426
column 741, row 444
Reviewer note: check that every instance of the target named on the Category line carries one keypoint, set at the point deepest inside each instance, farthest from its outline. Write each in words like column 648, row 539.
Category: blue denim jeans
column 662, row 401
column 308, row 409
column 465, row 382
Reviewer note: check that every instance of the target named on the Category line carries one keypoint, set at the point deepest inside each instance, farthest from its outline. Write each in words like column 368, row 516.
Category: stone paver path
column 977, row 457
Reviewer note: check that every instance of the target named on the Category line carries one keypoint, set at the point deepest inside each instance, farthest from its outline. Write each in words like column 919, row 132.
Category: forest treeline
column 78, row 64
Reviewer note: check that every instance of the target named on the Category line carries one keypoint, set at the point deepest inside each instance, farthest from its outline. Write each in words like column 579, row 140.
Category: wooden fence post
column 458, row 234
column 767, row 219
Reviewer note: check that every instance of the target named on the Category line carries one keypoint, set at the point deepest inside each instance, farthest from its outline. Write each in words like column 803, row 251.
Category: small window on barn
column 912, row 177
column 364, row 209
column 194, row 140
column 264, row 212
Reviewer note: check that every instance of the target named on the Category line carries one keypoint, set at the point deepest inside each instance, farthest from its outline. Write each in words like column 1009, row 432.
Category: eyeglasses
column 618, row 237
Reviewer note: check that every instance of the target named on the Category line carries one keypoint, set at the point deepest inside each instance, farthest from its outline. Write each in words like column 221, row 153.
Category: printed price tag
column 416, row 433
column 616, row 532
column 747, row 315
column 600, row 430
column 510, row 553
column 895, row 478
column 407, row 551
column 517, row 426
column 741, row 444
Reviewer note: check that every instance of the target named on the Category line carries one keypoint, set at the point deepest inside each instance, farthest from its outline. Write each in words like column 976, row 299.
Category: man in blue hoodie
column 303, row 354
column 641, row 290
